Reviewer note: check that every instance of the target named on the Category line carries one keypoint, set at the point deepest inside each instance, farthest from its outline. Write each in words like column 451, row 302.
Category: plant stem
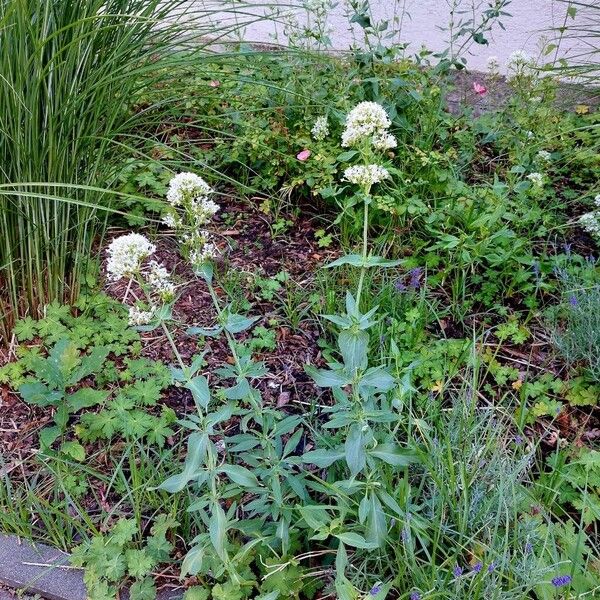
column 365, row 248
column 230, row 340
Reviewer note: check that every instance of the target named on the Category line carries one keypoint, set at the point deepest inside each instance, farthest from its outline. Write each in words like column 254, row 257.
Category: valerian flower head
column 203, row 210
column 202, row 253
column 125, row 255
column 364, row 121
column 384, row 141
column 140, row 317
column 544, row 155
column 493, row 65
column 520, row 64
column 320, row 129
column 537, row 179
column 159, row 280
column 591, row 223
column 366, row 175
column 186, row 187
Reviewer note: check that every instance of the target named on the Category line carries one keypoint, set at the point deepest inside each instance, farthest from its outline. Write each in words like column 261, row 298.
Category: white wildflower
column 384, row 141
column 140, row 317
column 537, row 179
column 199, row 255
column 597, row 200
column 366, row 175
column 544, row 155
column 203, row 210
column 320, row 129
column 160, row 281
column 186, row 187
column 126, row 253
column 172, row 220
column 364, row 121
column 591, row 223
column 520, row 64
column 493, row 65
column 530, row 135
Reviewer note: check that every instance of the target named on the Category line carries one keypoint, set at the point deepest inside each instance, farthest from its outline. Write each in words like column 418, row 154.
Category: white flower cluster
column 545, row 155
column 192, row 210
column 368, row 121
column 125, row 255
column 493, row 66
column 520, row 64
column 591, row 221
column 537, row 179
column 186, row 187
column 140, row 317
column 159, row 280
column 320, row 129
column 366, row 175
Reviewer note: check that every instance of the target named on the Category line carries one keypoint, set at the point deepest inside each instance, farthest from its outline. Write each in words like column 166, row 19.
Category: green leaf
column 240, row 475
column 205, row 331
column 143, row 590
column 196, row 593
column 85, row 398
column 356, row 457
column 200, row 391
column 239, row 391
column 217, row 530
column 327, row 377
column 376, row 522
column 74, row 449
column 139, row 563
column 39, row 394
column 323, row 458
column 196, row 452
column 237, row 323
column 192, row 563
column 48, row 436
column 355, row 260
column 353, row 346
column 355, row 540
column 393, row 455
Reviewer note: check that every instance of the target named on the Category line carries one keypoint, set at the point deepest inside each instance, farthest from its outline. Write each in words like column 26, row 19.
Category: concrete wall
column 421, row 22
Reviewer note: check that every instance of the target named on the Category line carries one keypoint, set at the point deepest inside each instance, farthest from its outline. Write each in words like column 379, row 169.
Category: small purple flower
column 375, row 590
column 405, row 535
column 567, row 249
column 561, row 580
column 536, row 269
column 477, row 567
column 415, row 277
column 400, row 285
column 491, row 567
column 415, row 596
column 528, row 548
column 518, row 440
column 457, row 571
column 573, row 300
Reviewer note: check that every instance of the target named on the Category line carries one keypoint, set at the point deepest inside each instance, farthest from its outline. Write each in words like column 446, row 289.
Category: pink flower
column 215, row 83
column 479, row 88
column 303, row 155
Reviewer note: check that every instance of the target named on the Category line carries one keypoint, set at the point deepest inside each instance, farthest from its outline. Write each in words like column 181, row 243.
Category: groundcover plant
column 341, row 341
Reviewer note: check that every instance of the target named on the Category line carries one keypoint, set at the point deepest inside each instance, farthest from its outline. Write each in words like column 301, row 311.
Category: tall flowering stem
column 367, row 130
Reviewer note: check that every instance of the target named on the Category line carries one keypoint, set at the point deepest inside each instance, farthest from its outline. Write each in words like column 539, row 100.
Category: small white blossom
column 597, row 200
column 384, row 141
column 493, row 65
column 198, row 256
column 140, row 317
column 159, row 280
column 126, row 253
column 544, row 155
column 520, row 64
column 530, row 135
column 320, row 129
column 591, row 223
column 364, row 121
column 537, row 179
column 186, row 187
column 366, row 175
column 203, row 210
column 172, row 220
